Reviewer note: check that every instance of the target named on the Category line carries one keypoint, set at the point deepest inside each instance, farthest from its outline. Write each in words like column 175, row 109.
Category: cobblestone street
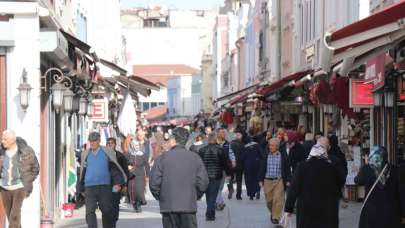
column 237, row 214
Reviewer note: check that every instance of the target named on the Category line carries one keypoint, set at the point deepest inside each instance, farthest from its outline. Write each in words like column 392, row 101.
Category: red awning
column 278, row 84
column 355, row 44
column 381, row 18
column 238, row 93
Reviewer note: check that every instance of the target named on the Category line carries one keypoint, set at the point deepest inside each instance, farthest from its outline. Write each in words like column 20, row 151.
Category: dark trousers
column 179, row 220
column 12, row 202
column 211, row 196
column 236, row 177
column 116, row 207
column 100, row 196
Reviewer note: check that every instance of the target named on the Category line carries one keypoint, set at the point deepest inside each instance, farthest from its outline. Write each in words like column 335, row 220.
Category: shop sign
column 100, row 110
column 361, row 93
column 375, row 71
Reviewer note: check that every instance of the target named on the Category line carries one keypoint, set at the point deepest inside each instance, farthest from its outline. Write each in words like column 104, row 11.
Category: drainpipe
column 277, row 71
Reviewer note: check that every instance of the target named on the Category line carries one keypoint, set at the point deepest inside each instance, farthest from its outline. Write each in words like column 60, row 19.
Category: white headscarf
column 319, row 151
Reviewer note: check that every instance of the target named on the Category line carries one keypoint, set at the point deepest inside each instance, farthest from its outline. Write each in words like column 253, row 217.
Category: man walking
column 215, row 162
column 178, row 178
column 122, row 161
column 230, row 158
column 237, row 147
column 275, row 176
column 100, row 175
column 18, row 169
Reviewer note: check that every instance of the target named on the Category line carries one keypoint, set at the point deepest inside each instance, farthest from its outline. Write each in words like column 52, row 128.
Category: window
column 155, row 23
column 161, row 103
column 153, row 104
column 261, row 47
column 145, row 106
column 308, row 21
column 81, row 28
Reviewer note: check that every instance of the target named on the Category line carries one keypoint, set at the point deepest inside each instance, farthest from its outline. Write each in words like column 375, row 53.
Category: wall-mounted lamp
column 25, row 90
column 57, row 96
column 68, row 100
column 82, row 106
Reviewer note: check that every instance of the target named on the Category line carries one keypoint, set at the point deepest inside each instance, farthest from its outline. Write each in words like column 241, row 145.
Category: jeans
column 100, row 196
column 210, row 196
column 116, row 207
column 12, row 202
column 236, row 176
column 179, row 220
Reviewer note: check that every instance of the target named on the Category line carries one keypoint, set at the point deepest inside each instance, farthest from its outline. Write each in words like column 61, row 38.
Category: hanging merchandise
column 127, row 117
column 227, row 117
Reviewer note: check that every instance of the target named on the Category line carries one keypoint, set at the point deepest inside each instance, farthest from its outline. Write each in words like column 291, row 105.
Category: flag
column 127, row 117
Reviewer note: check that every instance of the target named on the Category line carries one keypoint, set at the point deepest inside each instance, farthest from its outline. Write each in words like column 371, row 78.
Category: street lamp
column 57, row 96
column 68, row 100
column 82, row 106
column 389, row 97
column 25, row 89
column 377, row 99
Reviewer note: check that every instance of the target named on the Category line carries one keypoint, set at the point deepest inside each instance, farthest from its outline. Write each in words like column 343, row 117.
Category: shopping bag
column 286, row 221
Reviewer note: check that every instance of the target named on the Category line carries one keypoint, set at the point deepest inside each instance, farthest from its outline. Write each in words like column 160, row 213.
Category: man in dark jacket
column 178, row 178
column 19, row 168
column 237, row 147
column 338, row 158
column 100, row 175
column 215, row 163
column 315, row 187
column 296, row 152
column 122, row 161
column 275, row 177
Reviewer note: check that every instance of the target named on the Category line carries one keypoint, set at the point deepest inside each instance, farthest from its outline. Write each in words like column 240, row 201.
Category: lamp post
column 25, row 89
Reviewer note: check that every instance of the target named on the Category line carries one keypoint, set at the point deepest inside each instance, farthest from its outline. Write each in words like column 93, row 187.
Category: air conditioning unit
column 55, row 46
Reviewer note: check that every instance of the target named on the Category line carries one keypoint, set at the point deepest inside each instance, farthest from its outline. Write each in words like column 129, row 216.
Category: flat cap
column 94, row 136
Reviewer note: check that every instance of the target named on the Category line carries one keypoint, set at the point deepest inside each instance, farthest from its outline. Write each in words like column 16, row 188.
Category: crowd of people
column 298, row 171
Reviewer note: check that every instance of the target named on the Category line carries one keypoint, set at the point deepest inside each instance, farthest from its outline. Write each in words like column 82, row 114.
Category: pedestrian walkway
column 237, row 214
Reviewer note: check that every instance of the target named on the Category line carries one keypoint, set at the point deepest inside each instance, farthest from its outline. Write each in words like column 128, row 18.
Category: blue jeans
column 211, row 196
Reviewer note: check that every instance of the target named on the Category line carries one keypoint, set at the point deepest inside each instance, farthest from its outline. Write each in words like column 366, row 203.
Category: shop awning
column 238, row 93
column 133, row 84
column 364, row 39
column 76, row 42
column 148, row 84
column 114, row 67
column 266, row 90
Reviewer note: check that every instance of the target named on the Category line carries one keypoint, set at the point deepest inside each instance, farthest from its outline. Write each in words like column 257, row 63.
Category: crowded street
column 239, row 214
column 202, row 113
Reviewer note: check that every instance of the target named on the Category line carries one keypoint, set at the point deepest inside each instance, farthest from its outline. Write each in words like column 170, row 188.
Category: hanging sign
column 361, row 94
column 100, row 110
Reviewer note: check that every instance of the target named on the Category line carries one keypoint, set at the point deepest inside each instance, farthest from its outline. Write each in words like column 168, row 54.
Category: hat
column 94, row 136
column 181, row 135
column 292, row 136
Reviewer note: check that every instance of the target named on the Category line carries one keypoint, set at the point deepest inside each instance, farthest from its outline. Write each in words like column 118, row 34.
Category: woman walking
column 138, row 166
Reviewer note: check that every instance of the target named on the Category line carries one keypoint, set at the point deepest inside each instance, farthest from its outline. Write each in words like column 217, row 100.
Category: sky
column 179, row 4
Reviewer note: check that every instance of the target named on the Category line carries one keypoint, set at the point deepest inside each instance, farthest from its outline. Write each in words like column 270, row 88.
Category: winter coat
column 382, row 207
column 296, row 155
column 177, row 179
column 238, row 149
column 285, row 168
column 339, row 161
column 315, row 187
column 214, row 159
column 140, row 165
column 28, row 165
column 366, row 177
column 118, row 175
column 307, row 145
column 123, row 162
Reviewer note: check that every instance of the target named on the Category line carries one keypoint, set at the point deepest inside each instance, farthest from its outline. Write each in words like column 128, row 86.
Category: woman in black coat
column 315, row 187
column 251, row 160
column 138, row 166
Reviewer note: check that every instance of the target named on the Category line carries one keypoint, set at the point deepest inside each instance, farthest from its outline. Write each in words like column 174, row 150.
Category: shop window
column 153, row 104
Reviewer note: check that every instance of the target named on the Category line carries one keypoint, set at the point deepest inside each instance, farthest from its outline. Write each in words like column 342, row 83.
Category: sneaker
column 251, row 198
column 238, row 198
column 209, row 218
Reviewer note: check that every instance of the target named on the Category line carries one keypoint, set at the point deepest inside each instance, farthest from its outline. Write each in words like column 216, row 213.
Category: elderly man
column 18, row 169
column 178, row 178
column 100, row 176
column 274, row 177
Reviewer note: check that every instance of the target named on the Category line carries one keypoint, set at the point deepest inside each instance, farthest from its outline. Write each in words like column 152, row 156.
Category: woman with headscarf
column 337, row 157
column 381, row 207
column 315, row 188
column 138, row 166
column 295, row 150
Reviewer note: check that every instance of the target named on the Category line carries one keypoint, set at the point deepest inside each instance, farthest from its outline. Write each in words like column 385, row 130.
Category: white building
column 184, row 96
